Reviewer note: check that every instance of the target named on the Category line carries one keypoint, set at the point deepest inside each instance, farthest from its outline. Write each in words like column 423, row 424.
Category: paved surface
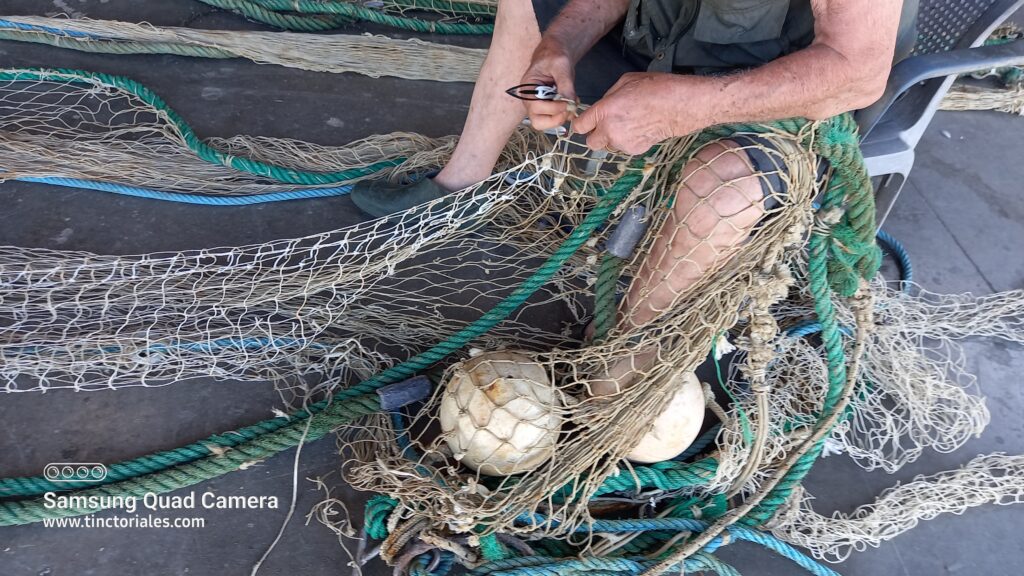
column 962, row 218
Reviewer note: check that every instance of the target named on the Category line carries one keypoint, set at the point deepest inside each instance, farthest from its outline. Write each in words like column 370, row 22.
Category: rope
column 298, row 23
column 692, row 525
column 449, row 6
column 90, row 43
column 188, row 136
column 268, row 12
column 605, row 309
column 668, row 476
column 200, row 199
column 375, row 516
column 841, row 251
column 278, row 434
column 348, row 405
column 896, row 249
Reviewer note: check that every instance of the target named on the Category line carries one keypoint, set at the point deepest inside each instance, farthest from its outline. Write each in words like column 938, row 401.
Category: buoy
column 499, row 413
column 676, row 427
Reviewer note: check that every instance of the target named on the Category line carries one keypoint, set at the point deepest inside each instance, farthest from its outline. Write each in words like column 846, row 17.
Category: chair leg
column 886, row 193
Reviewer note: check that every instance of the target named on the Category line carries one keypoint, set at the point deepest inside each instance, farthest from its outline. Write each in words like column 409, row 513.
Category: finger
column 566, row 85
column 558, row 74
column 544, row 115
column 598, row 140
column 544, row 108
column 586, row 121
column 546, row 122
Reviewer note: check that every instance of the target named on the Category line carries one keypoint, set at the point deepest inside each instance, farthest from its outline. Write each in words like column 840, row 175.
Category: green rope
column 668, row 476
column 356, row 12
column 375, row 516
column 294, row 22
column 360, row 397
column 844, row 243
column 348, row 406
column 838, row 257
column 194, row 143
column 491, row 549
column 605, row 309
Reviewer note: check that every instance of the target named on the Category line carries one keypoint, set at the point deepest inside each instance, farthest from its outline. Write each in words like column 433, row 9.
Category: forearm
column 815, row 83
column 582, row 23
column 845, row 68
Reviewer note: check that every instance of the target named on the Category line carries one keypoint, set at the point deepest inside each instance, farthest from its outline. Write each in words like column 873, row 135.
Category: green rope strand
column 605, row 310
column 293, row 22
column 375, row 515
column 348, row 406
column 668, row 476
column 356, row 12
column 851, row 186
column 194, row 143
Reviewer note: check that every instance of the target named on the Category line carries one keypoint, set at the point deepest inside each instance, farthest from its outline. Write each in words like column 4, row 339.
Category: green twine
column 194, row 143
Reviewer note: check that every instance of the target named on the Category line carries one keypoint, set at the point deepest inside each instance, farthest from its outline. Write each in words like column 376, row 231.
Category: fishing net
column 719, row 266
column 369, row 55
column 1007, row 95
column 734, row 280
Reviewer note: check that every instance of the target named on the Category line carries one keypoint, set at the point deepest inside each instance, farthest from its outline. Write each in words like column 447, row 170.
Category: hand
column 551, row 64
column 642, row 109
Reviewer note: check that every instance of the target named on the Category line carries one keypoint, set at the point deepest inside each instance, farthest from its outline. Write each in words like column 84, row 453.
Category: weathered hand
column 640, row 110
column 551, row 64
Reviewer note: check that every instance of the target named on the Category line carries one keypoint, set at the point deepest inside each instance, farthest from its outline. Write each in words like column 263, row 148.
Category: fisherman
column 657, row 69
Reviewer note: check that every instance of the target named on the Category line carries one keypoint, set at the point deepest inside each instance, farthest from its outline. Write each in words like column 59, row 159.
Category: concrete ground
column 961, row 218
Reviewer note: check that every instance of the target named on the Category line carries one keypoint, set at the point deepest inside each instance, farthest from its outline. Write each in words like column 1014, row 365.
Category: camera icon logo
column 75, row 472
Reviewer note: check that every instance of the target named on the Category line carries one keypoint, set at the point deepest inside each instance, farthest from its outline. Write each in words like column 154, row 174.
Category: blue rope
column 58, row 31
column 810, row 327
column 249, row 343
column 152, row 194
column 550, row 566
column 444, row 565
column 895, row 247
column 633, row 525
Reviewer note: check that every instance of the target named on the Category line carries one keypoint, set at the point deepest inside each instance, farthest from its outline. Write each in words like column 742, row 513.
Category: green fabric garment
column 709, row 36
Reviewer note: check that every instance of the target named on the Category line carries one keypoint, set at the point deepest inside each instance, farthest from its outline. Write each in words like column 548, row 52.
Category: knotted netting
column 517, row 263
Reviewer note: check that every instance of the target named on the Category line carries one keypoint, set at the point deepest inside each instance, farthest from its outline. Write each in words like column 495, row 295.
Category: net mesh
column 713, row 268
column 720, row 263
column 370, row 55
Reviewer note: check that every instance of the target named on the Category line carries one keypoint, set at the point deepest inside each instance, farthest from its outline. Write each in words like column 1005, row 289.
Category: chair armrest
column 917, row 69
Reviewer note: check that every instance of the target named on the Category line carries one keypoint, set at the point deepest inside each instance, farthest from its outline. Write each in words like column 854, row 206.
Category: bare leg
column 714, row 211
column 493, row 114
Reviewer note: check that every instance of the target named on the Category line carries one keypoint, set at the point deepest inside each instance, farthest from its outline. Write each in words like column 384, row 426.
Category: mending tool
column 534, row 92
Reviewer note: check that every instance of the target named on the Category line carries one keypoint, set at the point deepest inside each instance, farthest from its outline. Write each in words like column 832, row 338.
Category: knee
column 720, row 183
